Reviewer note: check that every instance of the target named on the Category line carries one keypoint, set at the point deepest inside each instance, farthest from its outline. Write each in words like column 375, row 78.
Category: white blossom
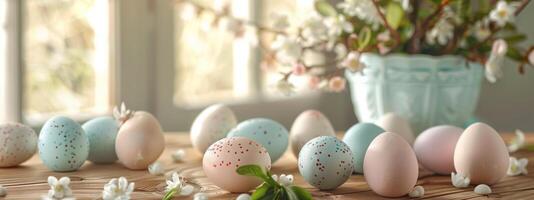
column 442, row 32
column 417, row 192
column 59, row 189
column 363, row 9
column 531, row 57
column 280, row 21
column 285, row 87
column 459, row 180
column 337, row 25
column 118, row 189
column 251, row 35
column 243, row 196
column 494, row 63
column 482, row 189
column 352, row 62
column 314, row 30
column 178, row 155
column 3, row 191
column 188, row 11
column 284, row 180
column 517, row 167
column 200, row 196
column 122, row 114
column 156, row 168
column 228, row 24
column 405, row 5
column 178, row 183
column 518, row 142
column 481, row 29
column 288, row 50
column 503, row 13
column 340, row 50
column 221, row 6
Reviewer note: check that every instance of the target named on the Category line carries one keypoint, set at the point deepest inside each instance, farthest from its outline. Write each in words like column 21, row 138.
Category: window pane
column 66, row 54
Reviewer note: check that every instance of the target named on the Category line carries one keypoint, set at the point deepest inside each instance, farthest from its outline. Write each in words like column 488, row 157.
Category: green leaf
column 262, row 191
column 324, row 8
column 290, row 193
column 364, row 37
column 301, row 193
column 529, row 147
column 257, row 171
column 169, row 195
column 394, row 14
column 515, row 38
column 514, row 54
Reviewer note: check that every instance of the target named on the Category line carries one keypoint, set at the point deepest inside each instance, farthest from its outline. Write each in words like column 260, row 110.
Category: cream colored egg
column 18, row 143
column 391, row 122
column 140, row 141
column 211, row 125
column 481, row 155
column 308, row 125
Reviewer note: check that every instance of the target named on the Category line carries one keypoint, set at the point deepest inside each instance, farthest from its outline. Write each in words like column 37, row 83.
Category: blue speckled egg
column 102, row 132
column 325, row 162
column 63, row 145
column 358, row 138
column 269, row 133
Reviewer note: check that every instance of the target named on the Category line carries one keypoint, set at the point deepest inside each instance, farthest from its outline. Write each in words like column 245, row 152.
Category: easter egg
column 211, row 125
column 325, row 162
column 481, row 155
column 139, row 141
column 391, row 122
column 223, row 157
column 390, row 165
column 434, row 148
column 358, row 138
column 63, row 144
column 269, row 133
column 102, row 132
column 18, row 143
column 308, row 125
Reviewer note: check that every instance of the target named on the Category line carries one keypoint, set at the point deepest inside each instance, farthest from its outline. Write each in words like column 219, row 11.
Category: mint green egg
column 63, row 145
column 358, row 138
column 102, row 132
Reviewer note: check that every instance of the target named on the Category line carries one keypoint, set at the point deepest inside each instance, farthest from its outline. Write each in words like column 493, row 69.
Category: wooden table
column 28, row 181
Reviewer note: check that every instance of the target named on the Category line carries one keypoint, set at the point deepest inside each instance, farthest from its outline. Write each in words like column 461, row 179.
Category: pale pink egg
column 308, row 125
column 392, row 122
column 434, row 148
column 223, row 158
column 140, row 141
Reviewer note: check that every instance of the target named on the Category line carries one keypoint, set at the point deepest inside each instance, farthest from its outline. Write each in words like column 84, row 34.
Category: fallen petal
column 482, row 189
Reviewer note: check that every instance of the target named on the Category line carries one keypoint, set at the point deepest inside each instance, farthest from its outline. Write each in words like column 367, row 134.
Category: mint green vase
column 425, row 90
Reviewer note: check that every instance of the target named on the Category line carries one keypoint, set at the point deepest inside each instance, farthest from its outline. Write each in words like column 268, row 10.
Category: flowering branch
column 386, row 23
column 419, row 34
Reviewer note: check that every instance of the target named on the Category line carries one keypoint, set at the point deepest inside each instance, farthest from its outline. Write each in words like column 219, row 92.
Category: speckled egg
column 211, row 125
column 102, row 132
column 390, row 166
column 63, row 144
column 325, row 162
column 308, row 125
column 391, row 122
column 481, row 155
column 18, row 143
column 358, row 138
column 434, row 148
column 223, row 157
column 269, row 133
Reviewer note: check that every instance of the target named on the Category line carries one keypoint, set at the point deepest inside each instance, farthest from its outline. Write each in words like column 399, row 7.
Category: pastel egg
column 390, row 165
column 63, row 144
column 223, row 157
column 18, row 143
column 391, row 122
column 211, row 125
column 481, row 155
column 269, row 133
column 140, row 141
column 434, row 148
column 308, row 125
column 325, row 162
column 358, row 138
column 102, row 132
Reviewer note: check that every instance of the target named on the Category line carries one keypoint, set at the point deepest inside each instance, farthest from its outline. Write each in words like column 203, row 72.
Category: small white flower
column 493, row 65
column 502, row 14
column 382, row 39
column 288, row 50
column 517, row 167
column 352, row 62
column 228, row 24
column 417, row 192
column 285, row 180
column 405, row 5
column 442, row 32
column 280, row 21
column 156, row 168
column 251, row 35
column 188, row 11
column 337, row 25
column 363, row 9
column 3, row 191
column 178, row 183
column 221, row 6
column 123, row 114
column 481, row 29
column 178, row 155
column 482, row 189
column 340, row 50
column 118, row 189
column 518, row 142
column 531, row 57
column 459, row 180
column 314, row 30
column 285, row 87
column 59, row 189
column 243, row 196
column 200, row 196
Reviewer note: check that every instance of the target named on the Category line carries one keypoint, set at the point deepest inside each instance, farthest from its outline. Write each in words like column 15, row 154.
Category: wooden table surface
column 28, row 181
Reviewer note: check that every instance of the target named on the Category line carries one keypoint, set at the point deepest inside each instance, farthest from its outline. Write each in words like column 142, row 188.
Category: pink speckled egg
column 390, row 166
column 308, row 125
column 18, row 143
column 223, row 157
column 481, row 155
column 434, row 148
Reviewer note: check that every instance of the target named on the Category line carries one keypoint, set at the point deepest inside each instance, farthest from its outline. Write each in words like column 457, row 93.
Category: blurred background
column 81, row 58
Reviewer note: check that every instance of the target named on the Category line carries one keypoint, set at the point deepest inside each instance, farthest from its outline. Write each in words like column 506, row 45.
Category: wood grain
column 28, row 181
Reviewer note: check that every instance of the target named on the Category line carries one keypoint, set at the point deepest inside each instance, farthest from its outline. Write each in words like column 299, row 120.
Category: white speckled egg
column 434, row 148
column 325, row 162
column 18, row 143
column 358, row 138
column 481, row 155
column 391, row 122
column 102, row 132
column 308, row 125
column 63, row 145
column 223, row 157
column 269, row 133
column 211, row 125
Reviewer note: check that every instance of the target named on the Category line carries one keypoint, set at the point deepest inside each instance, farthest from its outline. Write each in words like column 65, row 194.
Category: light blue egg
column 102, row 132
column 63, row 145
column 269, row 133
column 325, row 162
column 358, row 138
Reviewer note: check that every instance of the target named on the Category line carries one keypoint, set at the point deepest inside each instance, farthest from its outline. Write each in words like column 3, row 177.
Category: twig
column 521, row 6
column 391, row 30
column 418, row 36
